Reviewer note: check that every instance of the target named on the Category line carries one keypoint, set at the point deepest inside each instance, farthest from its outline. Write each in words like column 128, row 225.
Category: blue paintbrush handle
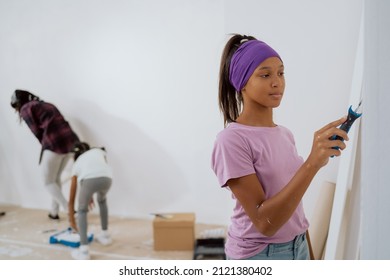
column 346, row 126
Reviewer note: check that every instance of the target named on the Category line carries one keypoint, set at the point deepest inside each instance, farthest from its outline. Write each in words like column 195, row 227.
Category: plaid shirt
column 49, row 126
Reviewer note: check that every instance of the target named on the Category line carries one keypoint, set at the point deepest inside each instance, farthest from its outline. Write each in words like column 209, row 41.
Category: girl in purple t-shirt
column 257, row 159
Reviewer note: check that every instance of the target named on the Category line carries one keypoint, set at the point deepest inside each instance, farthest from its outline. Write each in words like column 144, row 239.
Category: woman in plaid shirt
column 56, row 137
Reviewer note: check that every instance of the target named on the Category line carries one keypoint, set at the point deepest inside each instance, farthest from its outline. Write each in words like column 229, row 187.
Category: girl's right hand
column 72, row 220
column 322, row 148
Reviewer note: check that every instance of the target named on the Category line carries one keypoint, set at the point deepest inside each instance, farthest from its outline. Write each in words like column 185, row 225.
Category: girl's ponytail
column 230, row 101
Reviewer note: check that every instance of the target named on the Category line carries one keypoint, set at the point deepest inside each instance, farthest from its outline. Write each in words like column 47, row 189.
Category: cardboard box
column 174, row 232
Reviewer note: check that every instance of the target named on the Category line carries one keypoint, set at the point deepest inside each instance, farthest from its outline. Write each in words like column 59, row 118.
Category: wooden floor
column 25, row 234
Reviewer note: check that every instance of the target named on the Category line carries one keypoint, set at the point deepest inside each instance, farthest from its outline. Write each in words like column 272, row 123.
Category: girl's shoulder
column 238, row 134
column 230, row 132
column 39, row 106
column 240, row 130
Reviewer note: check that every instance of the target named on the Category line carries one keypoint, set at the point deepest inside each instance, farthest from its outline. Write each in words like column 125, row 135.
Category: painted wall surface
column 375, row 208
column 141, row 79
column 343, row 235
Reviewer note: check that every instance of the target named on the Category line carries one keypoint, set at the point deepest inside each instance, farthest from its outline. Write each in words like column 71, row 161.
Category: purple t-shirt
column 270, row 153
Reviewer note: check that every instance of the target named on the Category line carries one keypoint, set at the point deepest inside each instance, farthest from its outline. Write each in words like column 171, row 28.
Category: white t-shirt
column 91, row 164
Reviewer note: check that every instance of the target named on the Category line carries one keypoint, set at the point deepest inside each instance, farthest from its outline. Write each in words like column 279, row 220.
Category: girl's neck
column 263, row 118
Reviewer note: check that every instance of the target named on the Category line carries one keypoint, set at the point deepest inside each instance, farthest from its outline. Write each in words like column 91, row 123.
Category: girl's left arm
column 72, row 197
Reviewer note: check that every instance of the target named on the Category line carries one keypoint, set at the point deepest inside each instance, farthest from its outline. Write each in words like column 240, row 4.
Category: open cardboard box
column 174, row 232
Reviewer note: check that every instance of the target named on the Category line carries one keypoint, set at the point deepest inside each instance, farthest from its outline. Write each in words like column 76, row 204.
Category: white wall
column 140, row 78
column 375, row 191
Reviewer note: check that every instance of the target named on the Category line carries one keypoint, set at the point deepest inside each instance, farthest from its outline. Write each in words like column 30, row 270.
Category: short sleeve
column 75, row 168
column 231, row 157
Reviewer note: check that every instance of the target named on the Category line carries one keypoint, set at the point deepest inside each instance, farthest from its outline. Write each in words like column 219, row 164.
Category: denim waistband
column 290, row 245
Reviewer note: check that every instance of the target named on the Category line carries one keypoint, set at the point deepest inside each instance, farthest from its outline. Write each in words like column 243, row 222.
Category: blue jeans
column 296, row 249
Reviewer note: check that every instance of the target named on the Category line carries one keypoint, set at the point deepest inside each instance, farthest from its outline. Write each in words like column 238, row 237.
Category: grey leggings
column 88, row 187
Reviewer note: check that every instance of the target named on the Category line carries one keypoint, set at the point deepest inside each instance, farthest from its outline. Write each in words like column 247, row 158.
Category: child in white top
column 92, row 173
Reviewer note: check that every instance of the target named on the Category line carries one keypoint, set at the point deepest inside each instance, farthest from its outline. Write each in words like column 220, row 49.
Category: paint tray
column 68, row 238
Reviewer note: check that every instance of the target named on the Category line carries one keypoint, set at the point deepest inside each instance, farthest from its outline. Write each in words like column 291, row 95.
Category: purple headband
column 246, row 59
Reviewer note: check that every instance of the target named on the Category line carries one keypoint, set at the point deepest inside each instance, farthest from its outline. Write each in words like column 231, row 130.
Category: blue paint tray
column 68, row 238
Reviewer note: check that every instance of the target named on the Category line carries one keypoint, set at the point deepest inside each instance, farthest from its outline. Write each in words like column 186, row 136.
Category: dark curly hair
column 21, row 97
column 80, row 148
